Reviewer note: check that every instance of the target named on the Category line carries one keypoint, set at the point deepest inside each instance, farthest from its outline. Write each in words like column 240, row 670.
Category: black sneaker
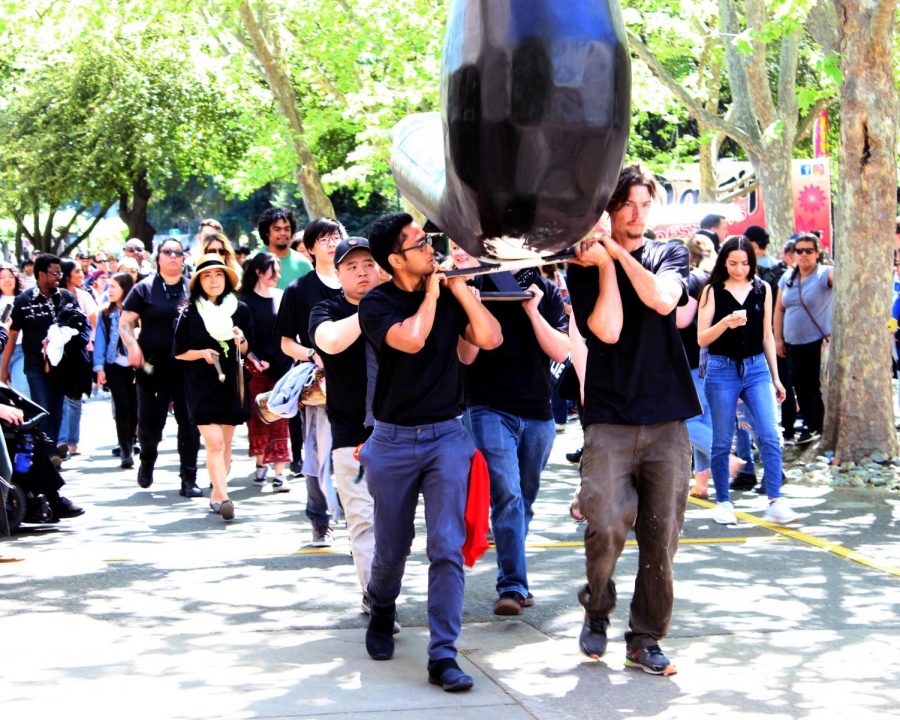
column 575, row 457
column 651, row 660
column 145, row 476
column 528, row 601
column 592, row 640
column 807, row 437
column 380, row 632
column 449, row 675
column 743, row 481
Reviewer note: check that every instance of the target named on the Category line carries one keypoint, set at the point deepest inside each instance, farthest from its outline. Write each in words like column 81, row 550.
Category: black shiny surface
column 535, row 111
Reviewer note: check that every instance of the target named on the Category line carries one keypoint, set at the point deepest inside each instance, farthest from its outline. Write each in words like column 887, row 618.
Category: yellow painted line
column 832, row 547
column 11, row 560
column 633, row 543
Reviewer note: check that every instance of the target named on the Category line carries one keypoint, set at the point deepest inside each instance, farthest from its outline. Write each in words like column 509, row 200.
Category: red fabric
column 478, row 505
column 270, row 441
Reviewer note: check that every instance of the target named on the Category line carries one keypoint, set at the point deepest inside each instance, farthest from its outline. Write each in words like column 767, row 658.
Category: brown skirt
column 269, row 440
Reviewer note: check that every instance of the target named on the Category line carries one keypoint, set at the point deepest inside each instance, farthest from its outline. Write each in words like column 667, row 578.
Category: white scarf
column 217, row 319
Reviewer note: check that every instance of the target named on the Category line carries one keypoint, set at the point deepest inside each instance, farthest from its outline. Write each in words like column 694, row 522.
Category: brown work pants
column 634, row 476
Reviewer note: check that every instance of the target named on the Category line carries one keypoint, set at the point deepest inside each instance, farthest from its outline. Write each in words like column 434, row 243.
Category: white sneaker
column 724, row 514
column 780, row 512
column 280, row 485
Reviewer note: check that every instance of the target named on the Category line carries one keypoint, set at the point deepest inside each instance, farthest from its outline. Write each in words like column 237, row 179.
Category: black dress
column 209, row 401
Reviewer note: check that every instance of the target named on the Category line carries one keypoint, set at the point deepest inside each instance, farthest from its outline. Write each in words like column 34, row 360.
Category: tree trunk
column 134, row 215
column 859, row 417
column 773, row 170
column 315, row 201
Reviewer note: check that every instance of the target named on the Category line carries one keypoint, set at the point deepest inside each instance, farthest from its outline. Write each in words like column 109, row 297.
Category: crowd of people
column 682, row 350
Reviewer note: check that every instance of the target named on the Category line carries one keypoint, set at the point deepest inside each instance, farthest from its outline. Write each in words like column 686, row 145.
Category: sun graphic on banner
column 811, row 199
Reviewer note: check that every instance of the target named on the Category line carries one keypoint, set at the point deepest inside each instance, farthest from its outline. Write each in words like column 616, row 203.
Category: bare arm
column 7, row 354
column 605, row 320
column 409, row 335
column 684, row 314
column 659, row 293
column 769, row 346
column 335, row 336
column 554, row 343
column 780, row 348
column 296, row 351
column 466, row 351
column 707, row 333
column 483, row 329
column 127, row 323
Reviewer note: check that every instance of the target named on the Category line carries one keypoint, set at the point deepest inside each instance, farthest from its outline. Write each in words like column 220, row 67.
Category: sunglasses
column 805, row 251
column 421, row 245
column 172, row 253
column 219, row 251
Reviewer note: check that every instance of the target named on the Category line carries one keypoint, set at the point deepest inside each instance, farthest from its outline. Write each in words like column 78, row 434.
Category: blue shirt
column 799, row 329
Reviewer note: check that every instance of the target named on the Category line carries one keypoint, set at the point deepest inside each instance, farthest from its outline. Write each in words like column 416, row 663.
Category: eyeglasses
column 329, row 240
column 421, row 245
column 804, row 251
column 132, row 250
column 54, row 273
column 172, row 253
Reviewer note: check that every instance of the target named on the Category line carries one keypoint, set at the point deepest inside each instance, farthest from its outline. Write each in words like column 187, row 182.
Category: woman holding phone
column 735, row 322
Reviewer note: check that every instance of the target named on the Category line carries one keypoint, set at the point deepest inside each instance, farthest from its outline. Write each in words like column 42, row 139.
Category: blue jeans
column 400, row 463
column 18, row 381
column 700, row 427
column 47, row 393
column 726, row 381
column 516, row 450
column 70, row 428
column 743, row 440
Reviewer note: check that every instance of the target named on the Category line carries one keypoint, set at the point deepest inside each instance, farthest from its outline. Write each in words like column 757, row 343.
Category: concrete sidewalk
column 148, row 606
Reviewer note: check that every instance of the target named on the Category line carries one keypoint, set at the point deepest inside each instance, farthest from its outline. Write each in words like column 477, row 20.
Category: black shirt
column 296, row 305
column 32, row 315
column 157, row 304
column 746, row 340
column 345, row 376
column 415, row 388
column 696, row 280
column 266, row 342
column 515, row 377
column 644, row 378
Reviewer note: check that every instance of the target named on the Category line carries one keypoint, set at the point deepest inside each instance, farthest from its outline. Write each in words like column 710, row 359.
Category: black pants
column 153, row 398
column 806, row 365
column 789, row 406
column 295, row 426
column 120, row 381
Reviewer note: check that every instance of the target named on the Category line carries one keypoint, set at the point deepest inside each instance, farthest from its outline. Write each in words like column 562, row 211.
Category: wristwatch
column 310, row 353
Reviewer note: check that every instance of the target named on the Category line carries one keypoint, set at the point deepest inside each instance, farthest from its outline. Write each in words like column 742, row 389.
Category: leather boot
column 380, row 633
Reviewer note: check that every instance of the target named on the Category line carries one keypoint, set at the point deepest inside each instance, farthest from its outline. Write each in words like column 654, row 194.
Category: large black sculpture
column 535, row 110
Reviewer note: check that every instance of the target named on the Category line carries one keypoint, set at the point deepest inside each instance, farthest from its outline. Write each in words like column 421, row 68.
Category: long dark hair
column 14, row 271
column 256, row 266
column 124, row 281
column 197, row 292
column 719, row 273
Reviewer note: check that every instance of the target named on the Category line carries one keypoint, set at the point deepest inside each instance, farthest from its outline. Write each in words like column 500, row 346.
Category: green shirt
column 293, row 266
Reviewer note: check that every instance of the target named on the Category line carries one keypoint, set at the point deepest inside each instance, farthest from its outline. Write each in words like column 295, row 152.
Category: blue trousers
column 48, row 394
column 400, row 463
column 516, row 450
column 726, row 381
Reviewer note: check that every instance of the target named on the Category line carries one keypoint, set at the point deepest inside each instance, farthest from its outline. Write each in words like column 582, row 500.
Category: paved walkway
column 148, row 606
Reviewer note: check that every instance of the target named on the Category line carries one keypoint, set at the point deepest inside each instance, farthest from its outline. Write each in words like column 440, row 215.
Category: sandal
column 701, row 496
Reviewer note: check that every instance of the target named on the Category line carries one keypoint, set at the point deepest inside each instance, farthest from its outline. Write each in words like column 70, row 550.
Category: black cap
column 348, row 245
column 758, row 235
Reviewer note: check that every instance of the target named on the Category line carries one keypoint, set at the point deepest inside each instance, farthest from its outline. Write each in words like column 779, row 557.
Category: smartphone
column 255, row 360
column 7, row 311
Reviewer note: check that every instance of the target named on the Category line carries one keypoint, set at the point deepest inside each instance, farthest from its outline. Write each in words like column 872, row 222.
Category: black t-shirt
column 32, row 315
column 345, row 377
column 415, row 388
column 515, row 377
column 157, row 304
column 266, row 342
column 296, row 305
column 696, row 280
column 644, row 378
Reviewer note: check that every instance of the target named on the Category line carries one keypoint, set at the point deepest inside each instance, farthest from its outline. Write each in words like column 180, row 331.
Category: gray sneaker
column 322, row 536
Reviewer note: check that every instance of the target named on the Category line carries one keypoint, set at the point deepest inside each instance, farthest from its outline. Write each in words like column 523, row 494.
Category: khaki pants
column 634, row 476
column 359, row 509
